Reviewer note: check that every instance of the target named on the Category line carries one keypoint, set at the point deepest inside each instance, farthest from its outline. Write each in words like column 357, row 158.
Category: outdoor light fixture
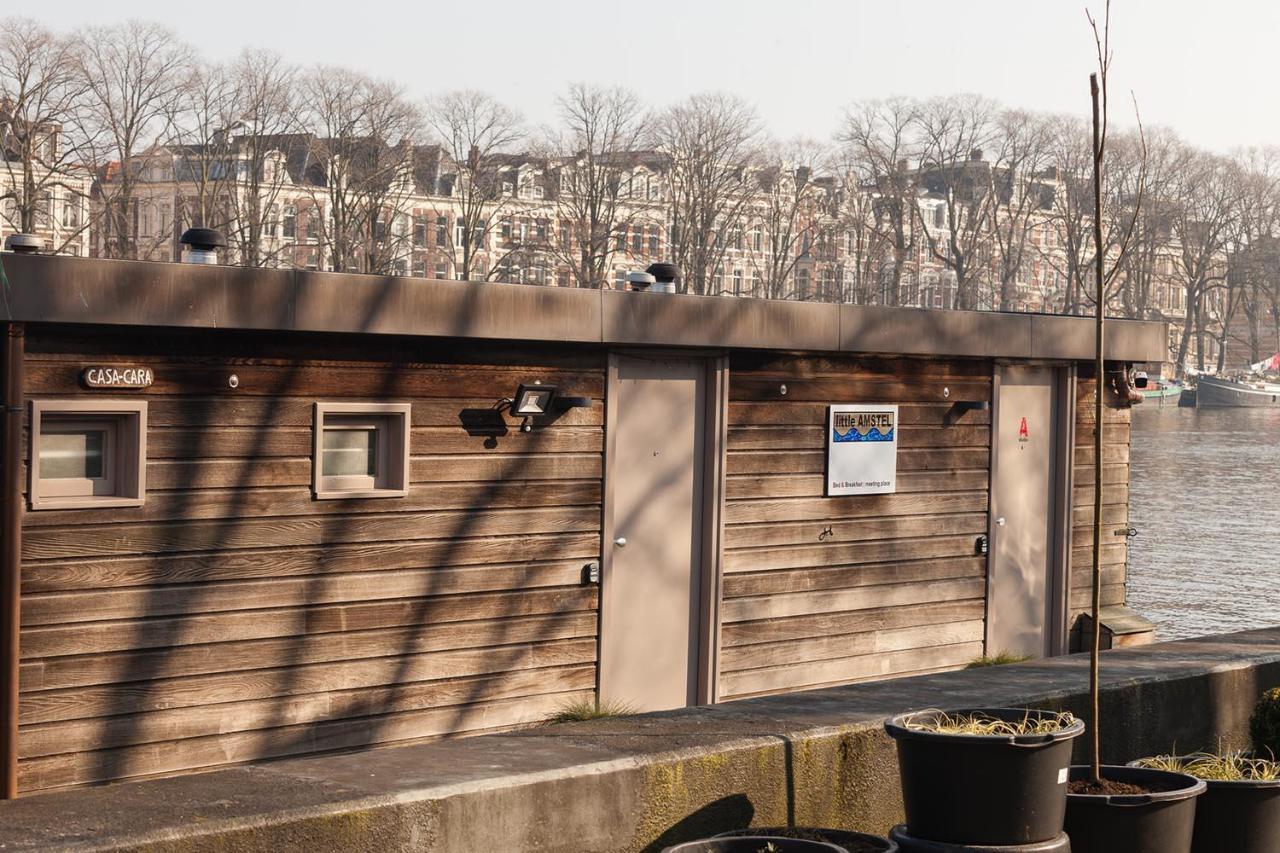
column 536, row 399
column 532, row 400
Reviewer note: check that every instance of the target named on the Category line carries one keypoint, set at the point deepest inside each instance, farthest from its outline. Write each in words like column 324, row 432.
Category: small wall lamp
column 535, row 399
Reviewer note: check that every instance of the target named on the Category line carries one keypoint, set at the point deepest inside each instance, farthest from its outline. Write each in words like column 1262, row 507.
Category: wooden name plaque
column 120, row 376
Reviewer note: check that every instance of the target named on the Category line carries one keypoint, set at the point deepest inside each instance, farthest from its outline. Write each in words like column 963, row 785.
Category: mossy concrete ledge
column 640, row 783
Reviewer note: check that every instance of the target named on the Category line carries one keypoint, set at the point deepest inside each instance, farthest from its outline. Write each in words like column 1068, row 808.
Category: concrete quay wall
column 641, row 783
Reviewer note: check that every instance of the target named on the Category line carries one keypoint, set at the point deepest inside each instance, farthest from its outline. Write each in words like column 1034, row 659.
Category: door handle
column 1000, row 521
column 621, row 542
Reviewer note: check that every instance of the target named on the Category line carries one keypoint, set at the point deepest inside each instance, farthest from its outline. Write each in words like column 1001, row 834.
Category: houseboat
column 257, row 513
column 1212, row 391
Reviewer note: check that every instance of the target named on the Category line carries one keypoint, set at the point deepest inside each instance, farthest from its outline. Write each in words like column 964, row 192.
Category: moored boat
column 1213, row 391
column 1162, row 394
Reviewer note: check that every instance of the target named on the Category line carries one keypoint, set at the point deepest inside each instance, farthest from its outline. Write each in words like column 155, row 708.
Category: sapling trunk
column 1095, row 740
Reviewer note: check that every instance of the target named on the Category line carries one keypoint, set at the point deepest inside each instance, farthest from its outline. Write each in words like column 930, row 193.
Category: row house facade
column 33, row 161
column 792, row 236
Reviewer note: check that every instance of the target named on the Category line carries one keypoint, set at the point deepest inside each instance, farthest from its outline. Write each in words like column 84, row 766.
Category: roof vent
column 665, row 276
column 24, row 244
column 637, row 280
column 202, row 245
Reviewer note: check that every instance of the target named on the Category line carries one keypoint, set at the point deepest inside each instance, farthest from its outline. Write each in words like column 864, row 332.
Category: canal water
column 1205, row 497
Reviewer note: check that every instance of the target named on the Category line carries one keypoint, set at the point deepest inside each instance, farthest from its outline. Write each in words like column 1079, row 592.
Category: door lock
column 621, row 542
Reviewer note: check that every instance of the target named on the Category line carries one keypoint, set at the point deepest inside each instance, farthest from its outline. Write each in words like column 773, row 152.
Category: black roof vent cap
column 664, row 272
column 203, row 239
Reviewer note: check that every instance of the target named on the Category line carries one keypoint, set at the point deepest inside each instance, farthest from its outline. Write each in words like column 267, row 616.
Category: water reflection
column 1205, row 494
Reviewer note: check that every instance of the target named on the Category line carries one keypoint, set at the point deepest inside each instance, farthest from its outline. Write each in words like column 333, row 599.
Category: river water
column 1205, row 497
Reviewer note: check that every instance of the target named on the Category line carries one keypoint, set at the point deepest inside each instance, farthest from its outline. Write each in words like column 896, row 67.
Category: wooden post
column 11, row 555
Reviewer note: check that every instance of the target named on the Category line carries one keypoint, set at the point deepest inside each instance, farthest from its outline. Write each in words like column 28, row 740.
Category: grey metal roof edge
column 59, row 289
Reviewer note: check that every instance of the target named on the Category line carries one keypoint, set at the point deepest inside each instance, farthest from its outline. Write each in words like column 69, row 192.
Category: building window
column 442, row 270
column 419, row 230
column 87, row 453
column 442, row 230
column 290, row 222
column 653, row 241
column 737, row 282
column 361, row 450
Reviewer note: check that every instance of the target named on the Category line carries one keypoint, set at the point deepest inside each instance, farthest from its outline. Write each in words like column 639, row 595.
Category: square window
column 87, row 454
column 361, row 450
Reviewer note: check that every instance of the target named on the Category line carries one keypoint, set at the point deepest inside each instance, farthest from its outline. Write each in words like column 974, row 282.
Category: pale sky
column 1206, row 69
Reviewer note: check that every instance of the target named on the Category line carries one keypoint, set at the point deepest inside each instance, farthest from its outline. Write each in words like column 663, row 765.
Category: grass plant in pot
column 1112, row 809
column 854, row 842
column 993, row 776
column 1239, row 811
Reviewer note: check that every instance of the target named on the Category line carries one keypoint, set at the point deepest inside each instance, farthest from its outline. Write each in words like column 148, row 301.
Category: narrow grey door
column 650, row 602
column 1021, row 577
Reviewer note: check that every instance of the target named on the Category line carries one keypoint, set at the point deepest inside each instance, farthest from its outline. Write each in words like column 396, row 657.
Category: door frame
column 709, row 523
column 1062, row 470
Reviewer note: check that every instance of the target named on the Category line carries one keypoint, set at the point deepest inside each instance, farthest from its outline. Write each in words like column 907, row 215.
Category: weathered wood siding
column 234, row 618
column 1115, row 502
column 829, row 590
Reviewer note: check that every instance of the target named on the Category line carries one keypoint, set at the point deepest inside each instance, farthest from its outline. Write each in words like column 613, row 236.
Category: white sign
column 862, row 450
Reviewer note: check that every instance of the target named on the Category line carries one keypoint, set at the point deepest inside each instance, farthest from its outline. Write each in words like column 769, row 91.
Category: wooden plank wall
column 895, row 586
column 233, row 618
column 1115, row 503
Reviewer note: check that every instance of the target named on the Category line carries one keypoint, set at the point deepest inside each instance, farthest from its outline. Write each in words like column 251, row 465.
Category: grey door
column 1022, row 583
column 650, row 606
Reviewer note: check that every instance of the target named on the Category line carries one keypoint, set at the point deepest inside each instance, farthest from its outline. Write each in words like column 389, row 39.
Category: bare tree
column 1203, row 215
column 474, row 129
column 596, row 200
column 1156, row 159
column 709, row 144
column 41, row 102
column 262, row 113
column 953, row 133
column 359, row 160
column 134, row 74
column 201, row 148
column 879, row 141
column 788, row 209
column 870, row 254
column 1254, row 263
column 1020, row 196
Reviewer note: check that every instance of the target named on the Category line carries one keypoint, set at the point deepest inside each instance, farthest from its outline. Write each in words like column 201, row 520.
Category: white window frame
column 392, row 423
column 123, row 483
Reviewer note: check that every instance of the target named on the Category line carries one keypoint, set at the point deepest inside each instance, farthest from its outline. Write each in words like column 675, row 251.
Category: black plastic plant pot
column 984, row 789
column 755, row 844
column 1159, row 822
column 1238, row 817
column 854, row 842
column 910, row 844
